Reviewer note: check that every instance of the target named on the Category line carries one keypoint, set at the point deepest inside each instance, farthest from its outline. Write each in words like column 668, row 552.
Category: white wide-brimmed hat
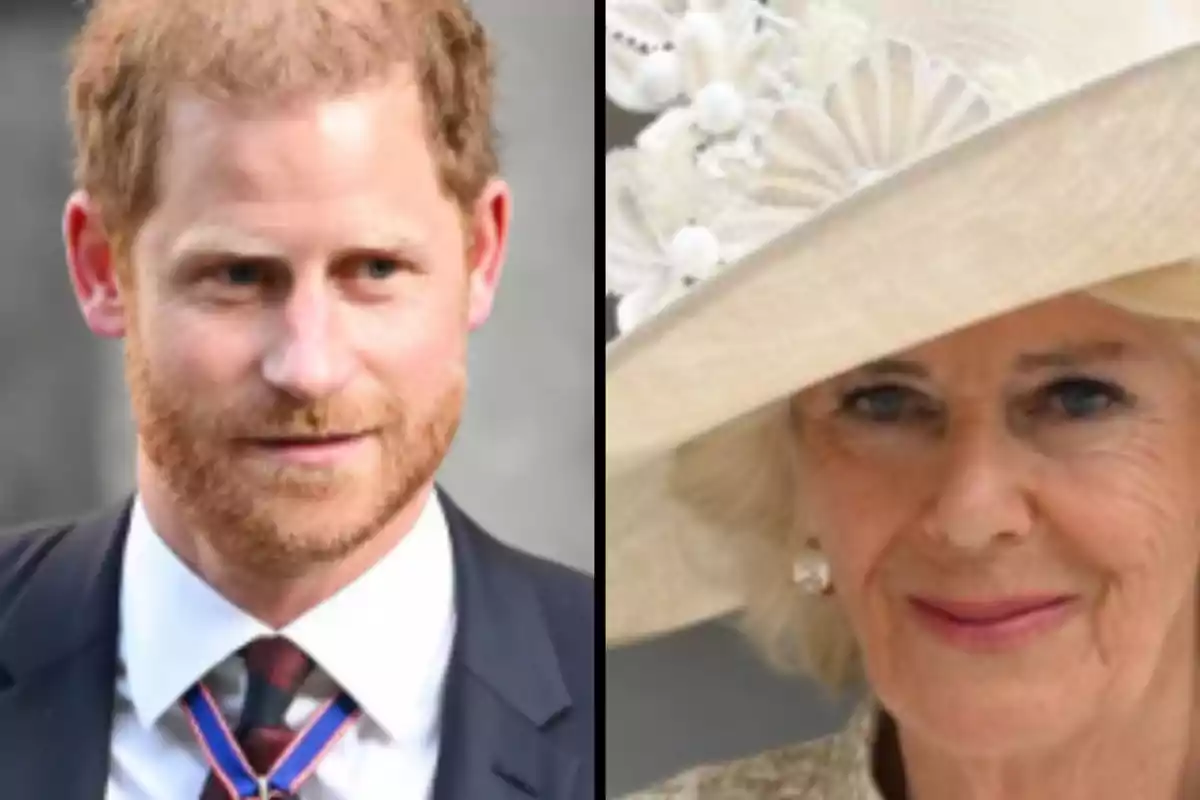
column 826, row 183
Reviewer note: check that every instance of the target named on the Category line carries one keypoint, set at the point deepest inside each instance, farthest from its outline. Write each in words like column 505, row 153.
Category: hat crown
column 768, row 112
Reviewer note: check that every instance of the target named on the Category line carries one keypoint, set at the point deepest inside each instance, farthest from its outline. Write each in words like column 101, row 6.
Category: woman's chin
column 984, row 720
column 986, row 694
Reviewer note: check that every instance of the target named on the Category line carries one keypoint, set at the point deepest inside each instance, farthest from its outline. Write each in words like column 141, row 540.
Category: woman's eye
column 886, row 404
column 1080, row 398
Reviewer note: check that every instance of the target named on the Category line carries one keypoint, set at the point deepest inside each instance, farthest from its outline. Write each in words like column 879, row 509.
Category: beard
column 275, row 518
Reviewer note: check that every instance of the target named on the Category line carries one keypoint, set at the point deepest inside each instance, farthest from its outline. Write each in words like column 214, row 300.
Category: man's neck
column 274, row 600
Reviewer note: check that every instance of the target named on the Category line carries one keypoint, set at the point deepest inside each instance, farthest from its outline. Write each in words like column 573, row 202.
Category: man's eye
column 1080, row 398
column 242, row 273
column 380, row 268
column 886, row 404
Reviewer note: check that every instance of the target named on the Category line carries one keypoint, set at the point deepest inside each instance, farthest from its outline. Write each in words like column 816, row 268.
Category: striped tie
column 275, row 670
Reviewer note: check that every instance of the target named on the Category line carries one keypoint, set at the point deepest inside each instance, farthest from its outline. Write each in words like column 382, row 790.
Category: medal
column 294, row 766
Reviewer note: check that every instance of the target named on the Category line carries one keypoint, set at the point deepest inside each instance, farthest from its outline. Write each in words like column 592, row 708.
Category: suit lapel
column 58, row 657
column 58, row 672
column 504, row 687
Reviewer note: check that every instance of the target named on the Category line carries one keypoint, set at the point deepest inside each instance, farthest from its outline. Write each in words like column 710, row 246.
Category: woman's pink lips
column 994, row 622
column 984, row 611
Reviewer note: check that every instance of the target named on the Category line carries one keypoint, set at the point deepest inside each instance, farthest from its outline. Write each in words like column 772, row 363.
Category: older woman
column 910, row 376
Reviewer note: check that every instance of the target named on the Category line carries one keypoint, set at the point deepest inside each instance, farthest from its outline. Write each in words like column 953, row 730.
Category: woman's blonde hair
column 744, row 478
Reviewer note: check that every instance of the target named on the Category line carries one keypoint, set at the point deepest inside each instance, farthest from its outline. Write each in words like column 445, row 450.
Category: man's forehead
column 347, row 146
column 322, row 173
column 397, row 93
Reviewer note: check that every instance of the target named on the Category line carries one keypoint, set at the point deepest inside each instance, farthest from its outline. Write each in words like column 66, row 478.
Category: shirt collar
column 385, row 639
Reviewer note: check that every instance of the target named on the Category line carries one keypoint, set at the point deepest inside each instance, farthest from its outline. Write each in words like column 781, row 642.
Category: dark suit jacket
column 519, row 712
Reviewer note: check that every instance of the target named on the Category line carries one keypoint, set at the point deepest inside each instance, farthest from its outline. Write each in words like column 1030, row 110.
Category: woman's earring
column 810, row 572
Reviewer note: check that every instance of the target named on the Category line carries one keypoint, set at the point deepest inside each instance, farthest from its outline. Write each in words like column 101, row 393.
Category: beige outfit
column 836, row 767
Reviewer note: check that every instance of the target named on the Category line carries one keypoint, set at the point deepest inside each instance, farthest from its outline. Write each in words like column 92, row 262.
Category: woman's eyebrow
column 893, row 366
column 1074, row 356
column 1061, row 357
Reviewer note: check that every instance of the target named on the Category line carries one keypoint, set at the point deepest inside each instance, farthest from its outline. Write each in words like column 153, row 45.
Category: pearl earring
column 810, row 572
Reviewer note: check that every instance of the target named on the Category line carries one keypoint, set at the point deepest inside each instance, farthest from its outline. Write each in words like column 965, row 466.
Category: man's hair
column 132, row 54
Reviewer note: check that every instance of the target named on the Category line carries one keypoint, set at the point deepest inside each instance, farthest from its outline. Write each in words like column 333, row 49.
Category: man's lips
column 304, row 440
column 311, row 450
column 991, row 610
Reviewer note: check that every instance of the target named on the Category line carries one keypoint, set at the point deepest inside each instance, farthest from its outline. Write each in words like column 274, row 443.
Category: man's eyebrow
column 214, row 239
column 210, row 240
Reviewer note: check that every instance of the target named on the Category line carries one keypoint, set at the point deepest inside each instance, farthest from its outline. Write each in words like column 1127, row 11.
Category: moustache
column 290, row 419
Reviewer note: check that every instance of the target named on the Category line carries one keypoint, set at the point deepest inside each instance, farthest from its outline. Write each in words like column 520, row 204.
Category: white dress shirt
column 385, row 639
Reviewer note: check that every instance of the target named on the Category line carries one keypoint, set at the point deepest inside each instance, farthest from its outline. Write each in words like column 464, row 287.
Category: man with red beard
column 291, row 214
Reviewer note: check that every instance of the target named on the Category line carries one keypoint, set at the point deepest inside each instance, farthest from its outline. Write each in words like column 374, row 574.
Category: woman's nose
column 982, row 493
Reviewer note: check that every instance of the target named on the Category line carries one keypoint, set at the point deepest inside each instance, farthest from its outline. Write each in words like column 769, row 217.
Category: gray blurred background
column 702, row 695
column 523, row 462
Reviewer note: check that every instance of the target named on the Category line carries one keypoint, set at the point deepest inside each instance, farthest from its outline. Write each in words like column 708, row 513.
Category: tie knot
column 278, row 662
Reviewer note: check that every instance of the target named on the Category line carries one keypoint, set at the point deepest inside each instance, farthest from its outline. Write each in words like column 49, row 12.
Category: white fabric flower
column 827, row 41
column 783, row 52
column 890, row 107
column 641, row 69
column 722, row 54
column 669, row 225
column 821, row 39
column 707, row 56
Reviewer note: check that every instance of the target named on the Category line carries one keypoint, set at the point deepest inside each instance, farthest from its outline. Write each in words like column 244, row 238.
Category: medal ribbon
column 294, row 766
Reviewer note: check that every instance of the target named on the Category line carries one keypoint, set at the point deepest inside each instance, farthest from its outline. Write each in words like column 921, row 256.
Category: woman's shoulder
column 830, row 768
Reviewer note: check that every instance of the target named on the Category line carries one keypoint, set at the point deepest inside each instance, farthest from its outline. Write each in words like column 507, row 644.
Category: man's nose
column 308, row 356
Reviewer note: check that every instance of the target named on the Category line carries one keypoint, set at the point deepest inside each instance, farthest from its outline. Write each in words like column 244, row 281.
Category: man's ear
column 488, row 235
column 91, row 264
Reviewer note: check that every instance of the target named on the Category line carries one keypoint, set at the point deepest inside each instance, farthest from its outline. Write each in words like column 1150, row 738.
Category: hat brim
column 1097, row 190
